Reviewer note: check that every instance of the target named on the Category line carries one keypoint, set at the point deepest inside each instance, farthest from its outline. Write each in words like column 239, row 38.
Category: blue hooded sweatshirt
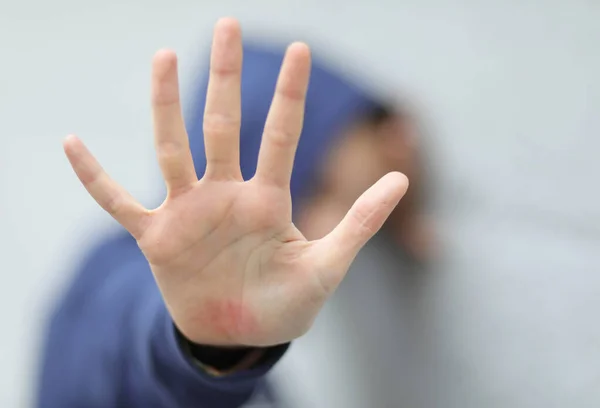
column 110, row 342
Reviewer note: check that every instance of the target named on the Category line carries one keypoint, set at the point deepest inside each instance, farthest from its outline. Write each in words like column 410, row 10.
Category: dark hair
column 379, row 114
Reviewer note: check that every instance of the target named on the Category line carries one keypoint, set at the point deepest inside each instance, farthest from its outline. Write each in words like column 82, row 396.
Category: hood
column 332, row 103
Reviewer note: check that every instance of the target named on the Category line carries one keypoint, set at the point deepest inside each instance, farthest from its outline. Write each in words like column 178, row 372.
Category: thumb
column 337, row 250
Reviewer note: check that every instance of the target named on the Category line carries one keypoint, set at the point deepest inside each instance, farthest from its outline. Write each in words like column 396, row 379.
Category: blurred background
column 511, row 90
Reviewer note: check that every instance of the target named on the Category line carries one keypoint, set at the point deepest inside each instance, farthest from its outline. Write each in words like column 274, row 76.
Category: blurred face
column 363, row 154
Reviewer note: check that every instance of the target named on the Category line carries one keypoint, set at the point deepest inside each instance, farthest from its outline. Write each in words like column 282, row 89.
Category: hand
column 231, row 266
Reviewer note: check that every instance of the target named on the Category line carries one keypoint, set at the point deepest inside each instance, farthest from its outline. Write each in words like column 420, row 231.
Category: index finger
column 285, row 118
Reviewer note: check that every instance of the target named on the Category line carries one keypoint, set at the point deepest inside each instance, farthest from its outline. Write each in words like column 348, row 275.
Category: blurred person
column 199, row 298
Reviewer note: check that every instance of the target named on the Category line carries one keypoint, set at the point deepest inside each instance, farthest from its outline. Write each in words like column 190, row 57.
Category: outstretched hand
column 230, row 264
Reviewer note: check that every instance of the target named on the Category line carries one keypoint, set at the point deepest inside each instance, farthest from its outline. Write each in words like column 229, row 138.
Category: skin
column 361, row 155
column 232, row 268
column 351, row 166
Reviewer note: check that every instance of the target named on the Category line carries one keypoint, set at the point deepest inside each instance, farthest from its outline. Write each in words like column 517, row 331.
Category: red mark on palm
column 228, row 318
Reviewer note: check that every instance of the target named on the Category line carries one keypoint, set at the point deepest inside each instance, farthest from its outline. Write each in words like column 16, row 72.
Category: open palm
column 231, row 266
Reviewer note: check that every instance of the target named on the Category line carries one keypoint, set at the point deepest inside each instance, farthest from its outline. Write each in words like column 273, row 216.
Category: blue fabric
column 111, row 342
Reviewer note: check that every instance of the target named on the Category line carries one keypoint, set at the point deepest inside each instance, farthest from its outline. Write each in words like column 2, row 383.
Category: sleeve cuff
column 182, row 368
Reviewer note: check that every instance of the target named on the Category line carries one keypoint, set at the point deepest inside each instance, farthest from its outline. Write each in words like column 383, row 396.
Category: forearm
column 112, row 343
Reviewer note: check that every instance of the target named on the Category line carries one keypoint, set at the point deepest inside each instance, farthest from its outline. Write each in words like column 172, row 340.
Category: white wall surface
column 513, row 88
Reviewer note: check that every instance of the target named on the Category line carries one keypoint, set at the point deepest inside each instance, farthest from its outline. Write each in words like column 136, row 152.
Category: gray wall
column 512, row 88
